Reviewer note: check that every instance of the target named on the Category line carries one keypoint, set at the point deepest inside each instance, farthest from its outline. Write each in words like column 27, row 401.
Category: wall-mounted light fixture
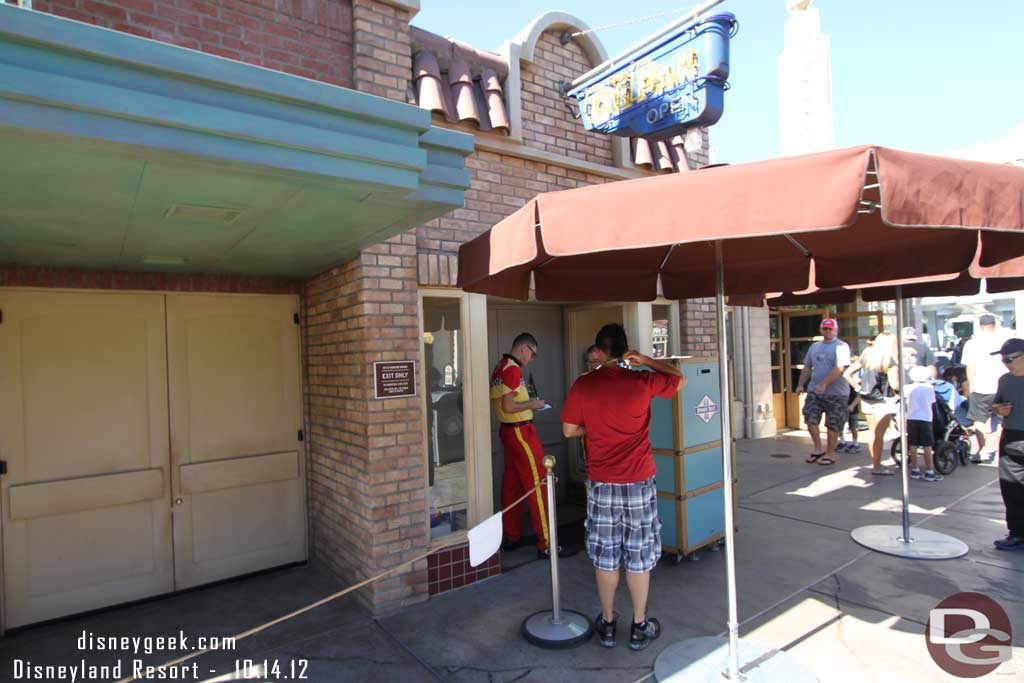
column 570, row 102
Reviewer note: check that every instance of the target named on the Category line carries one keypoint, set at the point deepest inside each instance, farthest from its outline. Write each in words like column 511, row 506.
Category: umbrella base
column 707, row 659
column 924, row 544
column 571, row 630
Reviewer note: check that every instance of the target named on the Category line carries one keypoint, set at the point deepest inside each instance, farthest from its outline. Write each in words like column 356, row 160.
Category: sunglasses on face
column 1012, row 357
column 533, row 350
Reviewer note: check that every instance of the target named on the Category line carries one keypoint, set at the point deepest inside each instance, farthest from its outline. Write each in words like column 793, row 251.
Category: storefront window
column 661, row 331
column 442, row 341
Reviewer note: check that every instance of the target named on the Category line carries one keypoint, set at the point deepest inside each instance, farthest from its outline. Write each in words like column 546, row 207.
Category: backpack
column 874, row 385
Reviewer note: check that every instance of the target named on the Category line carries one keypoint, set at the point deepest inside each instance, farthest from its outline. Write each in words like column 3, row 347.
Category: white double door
column 152, row 444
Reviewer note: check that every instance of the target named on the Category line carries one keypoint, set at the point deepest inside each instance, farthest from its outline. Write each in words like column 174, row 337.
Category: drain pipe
column 750, row 412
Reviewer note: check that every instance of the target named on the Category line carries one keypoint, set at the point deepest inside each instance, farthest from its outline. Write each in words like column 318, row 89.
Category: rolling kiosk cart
column 686, row 438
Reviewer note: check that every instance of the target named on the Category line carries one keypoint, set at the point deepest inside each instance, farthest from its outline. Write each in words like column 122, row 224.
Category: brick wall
column 310, row 38
column 449, row 569
column 367, row 465
column 697, row 323
column 547, row 123
column 81, row 278
column 702, row 156
column 501, row 183
column 382, row 63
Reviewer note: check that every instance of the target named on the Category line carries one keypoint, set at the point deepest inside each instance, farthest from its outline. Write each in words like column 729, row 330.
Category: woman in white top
column 877, row 383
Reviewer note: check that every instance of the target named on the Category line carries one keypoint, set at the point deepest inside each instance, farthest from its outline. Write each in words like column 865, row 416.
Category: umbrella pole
column 922, row 544
column 711, row 658
column 727, row 475
column 901, row 415
column 732, row 670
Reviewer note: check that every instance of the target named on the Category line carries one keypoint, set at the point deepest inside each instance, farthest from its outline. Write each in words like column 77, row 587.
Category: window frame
column 476, row 430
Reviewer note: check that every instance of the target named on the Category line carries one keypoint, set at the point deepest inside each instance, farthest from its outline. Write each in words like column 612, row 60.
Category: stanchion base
column 571, row 630
column 707, row 659
column 924, row 544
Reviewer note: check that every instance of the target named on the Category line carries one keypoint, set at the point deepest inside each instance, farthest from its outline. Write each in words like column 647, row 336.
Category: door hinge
column 302, row 436
column 295, row 318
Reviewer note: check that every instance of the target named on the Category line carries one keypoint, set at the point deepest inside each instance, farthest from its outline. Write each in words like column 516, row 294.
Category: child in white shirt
column 920, row 398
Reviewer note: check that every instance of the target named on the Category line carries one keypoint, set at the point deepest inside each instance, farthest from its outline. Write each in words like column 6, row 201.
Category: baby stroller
column 952, row 440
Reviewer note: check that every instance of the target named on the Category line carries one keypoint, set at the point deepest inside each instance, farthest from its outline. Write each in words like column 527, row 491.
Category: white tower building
column 805, row 83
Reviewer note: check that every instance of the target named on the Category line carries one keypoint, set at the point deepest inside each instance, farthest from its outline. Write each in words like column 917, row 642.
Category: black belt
column 517, row 424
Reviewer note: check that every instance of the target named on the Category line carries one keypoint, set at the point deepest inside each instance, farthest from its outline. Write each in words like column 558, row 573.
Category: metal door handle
column 178, row 501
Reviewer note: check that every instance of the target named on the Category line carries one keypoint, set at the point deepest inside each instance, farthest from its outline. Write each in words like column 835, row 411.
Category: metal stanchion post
column 556, row 606
column 555, row 628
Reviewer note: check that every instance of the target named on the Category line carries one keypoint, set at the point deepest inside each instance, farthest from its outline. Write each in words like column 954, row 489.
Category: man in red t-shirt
column 611, row 406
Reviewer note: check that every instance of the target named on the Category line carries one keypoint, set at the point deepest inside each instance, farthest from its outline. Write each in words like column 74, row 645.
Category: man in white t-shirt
column 983, row 373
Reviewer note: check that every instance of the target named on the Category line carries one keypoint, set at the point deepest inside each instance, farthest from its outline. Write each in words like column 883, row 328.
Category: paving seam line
column 863, row 606
column 409, row 650
column 794, row 519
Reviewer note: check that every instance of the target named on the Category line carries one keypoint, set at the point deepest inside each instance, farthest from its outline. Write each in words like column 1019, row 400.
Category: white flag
column 484, row 539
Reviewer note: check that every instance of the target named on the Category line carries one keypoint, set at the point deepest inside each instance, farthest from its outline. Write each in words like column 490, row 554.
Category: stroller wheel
column 896, row 453
column 946, row 457
column 963, row 451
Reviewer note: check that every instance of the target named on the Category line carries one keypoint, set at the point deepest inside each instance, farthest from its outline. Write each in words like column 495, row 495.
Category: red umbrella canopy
column 1004, row 277
column 1007, row 276
column 863, row 214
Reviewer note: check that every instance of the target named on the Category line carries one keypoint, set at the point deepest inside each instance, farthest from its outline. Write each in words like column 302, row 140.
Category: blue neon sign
column 662, row 89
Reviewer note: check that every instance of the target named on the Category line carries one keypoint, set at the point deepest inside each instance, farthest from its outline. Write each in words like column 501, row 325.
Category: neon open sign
column 662, row 89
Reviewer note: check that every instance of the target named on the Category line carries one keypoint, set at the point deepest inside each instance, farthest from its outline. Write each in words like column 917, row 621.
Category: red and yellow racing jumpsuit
column 524, row 455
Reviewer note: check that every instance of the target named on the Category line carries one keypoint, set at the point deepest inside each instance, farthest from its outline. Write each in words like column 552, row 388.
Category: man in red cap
column 827, row 391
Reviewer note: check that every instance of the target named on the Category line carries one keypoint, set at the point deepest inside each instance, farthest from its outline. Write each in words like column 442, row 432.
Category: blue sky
column 922, row 75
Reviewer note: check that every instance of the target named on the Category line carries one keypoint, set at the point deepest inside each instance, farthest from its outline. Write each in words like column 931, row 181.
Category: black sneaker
column 605, row 631
column 1011, row 542
column 641, row 635
column 545, row 554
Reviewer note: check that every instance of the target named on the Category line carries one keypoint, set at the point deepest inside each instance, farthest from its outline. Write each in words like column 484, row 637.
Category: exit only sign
column 393, row 379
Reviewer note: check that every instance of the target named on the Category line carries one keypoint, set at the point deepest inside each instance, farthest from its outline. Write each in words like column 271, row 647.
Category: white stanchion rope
column 329, row 598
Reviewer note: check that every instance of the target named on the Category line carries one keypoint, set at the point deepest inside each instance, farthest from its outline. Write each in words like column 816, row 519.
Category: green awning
column 120, row 152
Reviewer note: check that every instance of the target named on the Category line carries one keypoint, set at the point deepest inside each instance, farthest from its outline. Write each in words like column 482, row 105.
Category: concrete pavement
column 843, row 612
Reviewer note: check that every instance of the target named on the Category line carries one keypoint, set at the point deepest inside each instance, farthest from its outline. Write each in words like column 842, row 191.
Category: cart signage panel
column 706, row 409
column 394, row 379
column 663, row 88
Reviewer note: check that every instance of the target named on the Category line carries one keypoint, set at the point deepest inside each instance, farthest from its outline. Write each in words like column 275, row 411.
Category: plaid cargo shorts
column 623, row 525
column 836, row 409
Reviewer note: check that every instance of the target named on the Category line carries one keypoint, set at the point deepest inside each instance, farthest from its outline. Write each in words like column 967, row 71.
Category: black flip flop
column 814, row 458
column 827, row 461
